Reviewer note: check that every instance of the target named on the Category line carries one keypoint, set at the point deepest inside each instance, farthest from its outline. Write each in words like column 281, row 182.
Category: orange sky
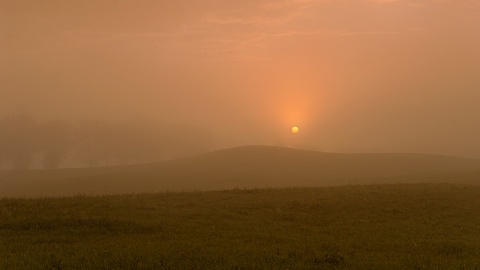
column 355, row 75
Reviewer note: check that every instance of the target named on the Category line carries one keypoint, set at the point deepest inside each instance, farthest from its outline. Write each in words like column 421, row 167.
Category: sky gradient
column 354, row 75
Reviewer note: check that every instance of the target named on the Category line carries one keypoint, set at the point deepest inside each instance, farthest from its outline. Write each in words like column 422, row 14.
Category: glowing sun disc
column 295, row 130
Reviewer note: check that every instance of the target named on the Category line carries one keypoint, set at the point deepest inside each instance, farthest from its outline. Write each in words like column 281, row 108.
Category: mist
column 230, row 134
column 355, row 76
column 26, row 143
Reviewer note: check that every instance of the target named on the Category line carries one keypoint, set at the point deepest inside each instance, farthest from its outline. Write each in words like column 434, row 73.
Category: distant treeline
column 25, row 141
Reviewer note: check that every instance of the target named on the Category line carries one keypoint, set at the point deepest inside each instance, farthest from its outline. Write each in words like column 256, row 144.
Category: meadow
column 395, row 226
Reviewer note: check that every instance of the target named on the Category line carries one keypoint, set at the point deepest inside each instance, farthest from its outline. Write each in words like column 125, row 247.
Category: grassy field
column 402, row 226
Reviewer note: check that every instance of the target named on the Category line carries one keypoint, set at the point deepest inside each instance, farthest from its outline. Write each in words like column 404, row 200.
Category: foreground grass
column 417, row 226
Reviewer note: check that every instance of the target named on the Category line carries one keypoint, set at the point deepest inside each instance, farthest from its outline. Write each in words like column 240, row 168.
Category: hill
column 243, row 167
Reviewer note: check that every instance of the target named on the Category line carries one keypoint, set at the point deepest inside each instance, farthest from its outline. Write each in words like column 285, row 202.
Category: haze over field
column 354, row 75
column 247, row 167
column 240, row 134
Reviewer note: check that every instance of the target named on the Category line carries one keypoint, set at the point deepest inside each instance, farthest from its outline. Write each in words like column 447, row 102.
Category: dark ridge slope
column 248, row 166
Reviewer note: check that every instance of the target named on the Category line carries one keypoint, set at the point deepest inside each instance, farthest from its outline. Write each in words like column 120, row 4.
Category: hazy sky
column 355, row 75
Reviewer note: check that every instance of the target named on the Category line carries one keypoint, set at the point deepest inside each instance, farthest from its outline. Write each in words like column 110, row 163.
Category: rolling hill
column 242, row 167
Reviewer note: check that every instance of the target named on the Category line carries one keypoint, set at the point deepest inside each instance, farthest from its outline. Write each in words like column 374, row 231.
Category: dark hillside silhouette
column 249, row 167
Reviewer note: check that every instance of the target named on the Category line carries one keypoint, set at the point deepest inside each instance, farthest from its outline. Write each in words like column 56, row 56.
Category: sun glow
column 295, row 130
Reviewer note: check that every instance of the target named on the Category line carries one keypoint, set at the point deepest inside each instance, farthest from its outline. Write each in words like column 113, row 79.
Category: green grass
column 404, row 226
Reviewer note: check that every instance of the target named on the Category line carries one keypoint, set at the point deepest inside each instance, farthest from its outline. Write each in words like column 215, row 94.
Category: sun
column 295, row 130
